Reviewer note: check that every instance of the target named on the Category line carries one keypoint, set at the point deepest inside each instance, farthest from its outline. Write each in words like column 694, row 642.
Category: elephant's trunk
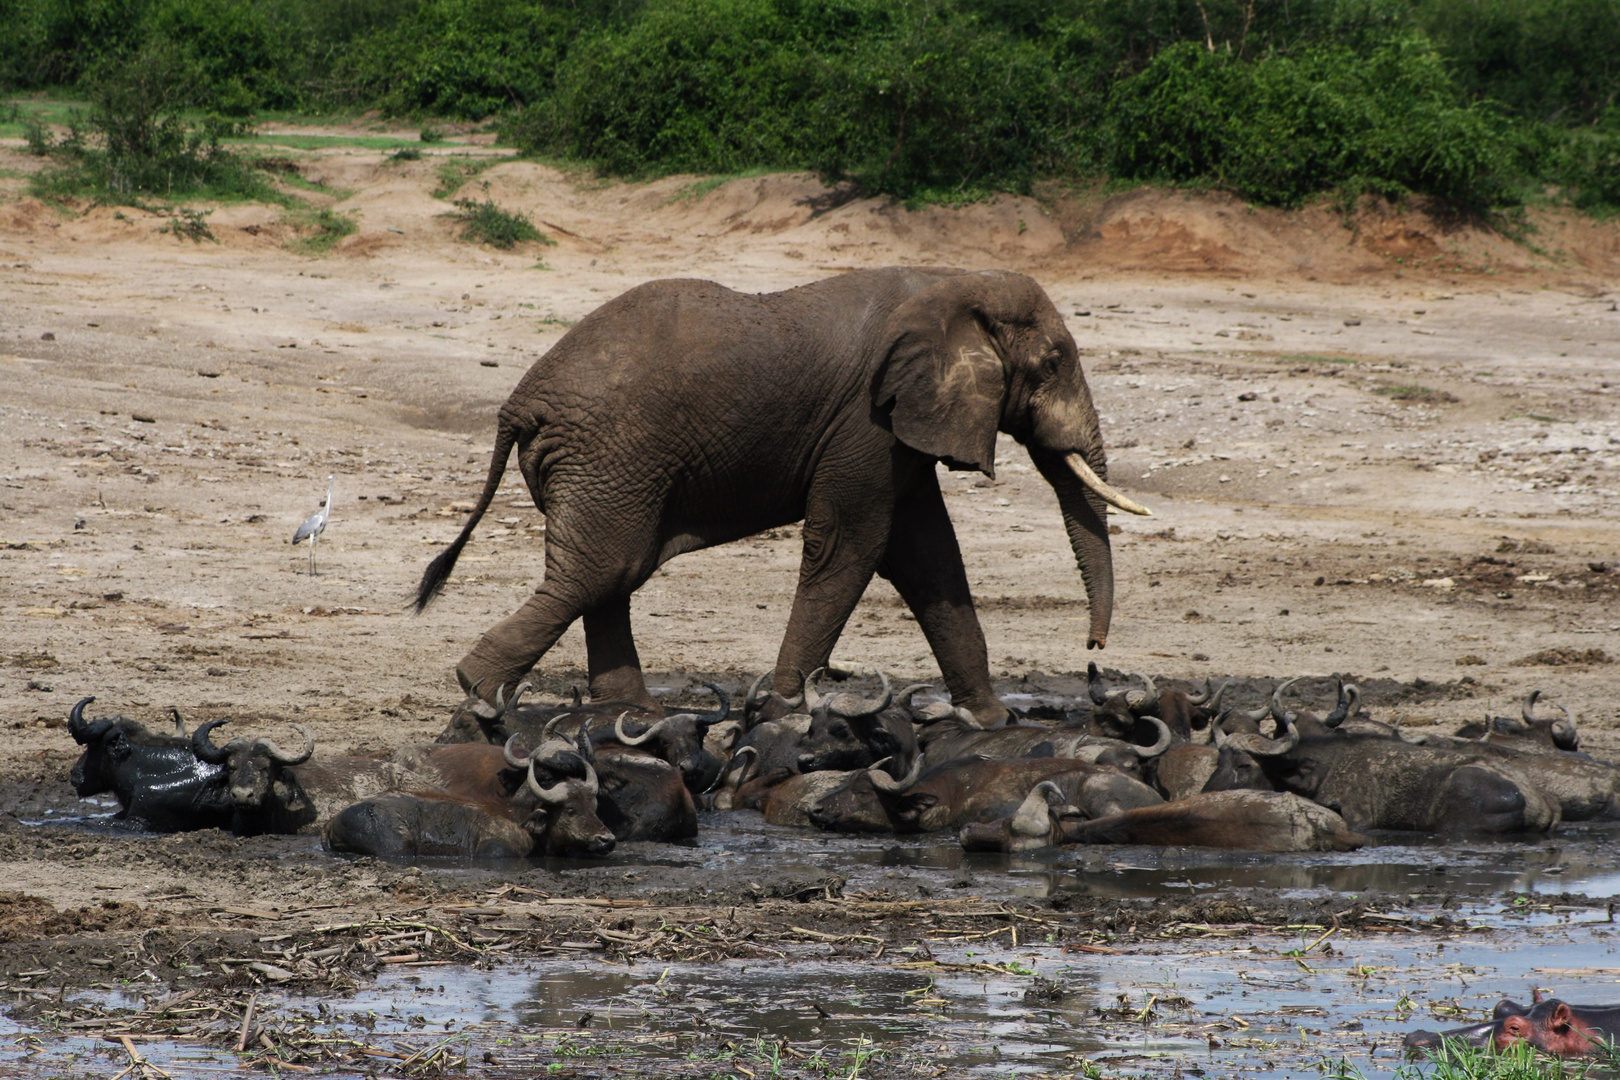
column 1085, row 519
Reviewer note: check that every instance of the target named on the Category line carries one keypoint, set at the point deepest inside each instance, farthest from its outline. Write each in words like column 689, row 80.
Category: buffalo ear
column 942, row 381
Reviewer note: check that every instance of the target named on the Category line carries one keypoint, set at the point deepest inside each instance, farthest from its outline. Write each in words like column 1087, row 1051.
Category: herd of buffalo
column 1121, row 766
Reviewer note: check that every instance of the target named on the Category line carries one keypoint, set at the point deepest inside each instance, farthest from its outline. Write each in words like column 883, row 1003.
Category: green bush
column 1277, row 100
column 1284, row 128
column 461, row 58
column 141, row 144
column 1548, row 60
column 1587, row 166
column 907, row 97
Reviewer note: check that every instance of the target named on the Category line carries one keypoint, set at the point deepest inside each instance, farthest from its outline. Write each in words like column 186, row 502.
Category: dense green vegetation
column 1479, row 102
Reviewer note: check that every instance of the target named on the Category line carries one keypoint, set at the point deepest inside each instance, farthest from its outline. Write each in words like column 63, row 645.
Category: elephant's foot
column 986, row 708
column 485, row 671
column 624, row 684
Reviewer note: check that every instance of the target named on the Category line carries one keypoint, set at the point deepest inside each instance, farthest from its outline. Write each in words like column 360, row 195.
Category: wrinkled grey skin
column 682, row 415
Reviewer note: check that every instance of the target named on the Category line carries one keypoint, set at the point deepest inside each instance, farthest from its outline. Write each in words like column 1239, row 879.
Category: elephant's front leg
column 844, row 537
column 610, row 650
column 924, row 564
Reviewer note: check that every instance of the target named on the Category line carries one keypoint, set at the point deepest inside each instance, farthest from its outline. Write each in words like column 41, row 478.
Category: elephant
column 683, row 414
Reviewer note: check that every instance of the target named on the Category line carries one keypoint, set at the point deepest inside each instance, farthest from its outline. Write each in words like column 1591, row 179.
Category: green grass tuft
column 485, row 223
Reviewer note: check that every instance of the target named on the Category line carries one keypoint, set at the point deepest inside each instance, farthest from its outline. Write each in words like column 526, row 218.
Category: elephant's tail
column 438, row 571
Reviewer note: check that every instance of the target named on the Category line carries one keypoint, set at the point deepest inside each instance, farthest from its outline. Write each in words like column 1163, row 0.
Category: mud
column 1381, row 446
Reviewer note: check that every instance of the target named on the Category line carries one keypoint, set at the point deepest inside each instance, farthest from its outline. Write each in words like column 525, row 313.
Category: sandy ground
column 1382, row 446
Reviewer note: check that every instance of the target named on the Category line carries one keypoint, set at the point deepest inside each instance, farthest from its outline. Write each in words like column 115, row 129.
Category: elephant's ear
column 942, row 380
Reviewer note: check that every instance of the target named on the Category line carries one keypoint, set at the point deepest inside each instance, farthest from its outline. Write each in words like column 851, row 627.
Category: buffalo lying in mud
column 678, row 738
column 1122, row 765
column 158, row 779
column 558, row 818
column 955, row 793
column 1248, row 820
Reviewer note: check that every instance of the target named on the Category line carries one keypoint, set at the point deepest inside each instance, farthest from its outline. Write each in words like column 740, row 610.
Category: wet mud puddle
column 1220, row 999
column 1227, row 1004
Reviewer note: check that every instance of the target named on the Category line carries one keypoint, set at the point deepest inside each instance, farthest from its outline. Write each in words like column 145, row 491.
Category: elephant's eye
column 1051, row 362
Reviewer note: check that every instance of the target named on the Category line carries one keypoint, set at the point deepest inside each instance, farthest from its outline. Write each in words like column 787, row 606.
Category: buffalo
column 158, row 779
column 955, row 793
column 1249, row 820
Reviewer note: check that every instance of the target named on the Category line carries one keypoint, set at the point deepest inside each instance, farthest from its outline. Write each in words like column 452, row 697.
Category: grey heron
column 314, row 525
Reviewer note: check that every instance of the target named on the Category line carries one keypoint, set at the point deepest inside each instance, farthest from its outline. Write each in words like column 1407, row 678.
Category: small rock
column 1352, row 322
column 1226, row 479
column 488, row 363
column 1248, row 395
column 47, row 336
column 43, row 688
column 142, row 418
column 1198, row 656
column 1470, row 661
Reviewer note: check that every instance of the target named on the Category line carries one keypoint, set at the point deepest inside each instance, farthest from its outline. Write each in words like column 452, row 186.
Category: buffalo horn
column 1277, row 707
column 555, row 795
column 579, row 698
column 83, row 732
column 481, row 708
column 1259, row 745
column 636, row 740
column 749, row 756
column 179, row 724
column 511, row 757
column 502, row 707
column 753, row 697
column 1254, row 715
column 1160, row 745
column 904, row 696
column 706, row 722
column 582, row 744
column 884, row 782
column 1078, row 466
column 592, row 785
column 1150, row 693
column 286, row 757
column 204, row 747
column 1210, row 702
column 865, row 706
column 1094, row 685
column 1529, row 710
column 1341, row 709
column 812, row 696
column 550, row 730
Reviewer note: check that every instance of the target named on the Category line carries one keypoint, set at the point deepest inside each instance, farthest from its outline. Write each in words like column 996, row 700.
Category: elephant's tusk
column 1096, row 483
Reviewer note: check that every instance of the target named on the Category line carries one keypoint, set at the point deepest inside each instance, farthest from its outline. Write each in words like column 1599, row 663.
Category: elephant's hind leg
column 512, row 646
column 581, row 580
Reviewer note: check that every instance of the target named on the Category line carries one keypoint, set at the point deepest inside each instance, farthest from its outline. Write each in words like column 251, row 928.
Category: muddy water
column 1229, row 1007
column 1229, row 1003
